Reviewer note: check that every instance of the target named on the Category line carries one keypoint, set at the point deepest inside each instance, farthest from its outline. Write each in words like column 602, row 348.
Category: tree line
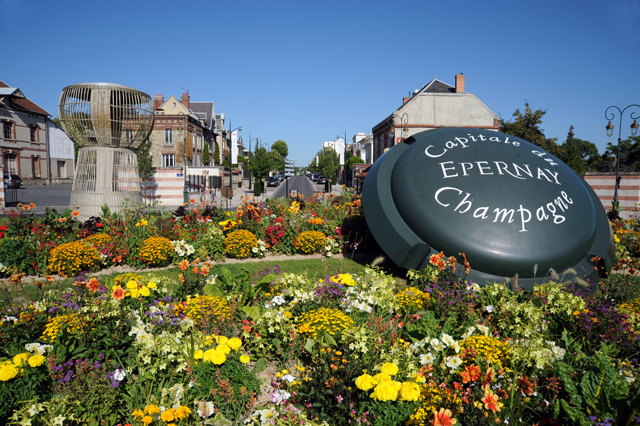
column 579, row 154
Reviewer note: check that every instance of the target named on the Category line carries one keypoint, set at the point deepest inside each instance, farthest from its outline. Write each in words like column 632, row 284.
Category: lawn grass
column 313, row 268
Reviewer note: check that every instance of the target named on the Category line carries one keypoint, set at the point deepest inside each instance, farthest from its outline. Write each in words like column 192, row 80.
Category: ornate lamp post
column 404, row 120
column 634, row 130
column 186, row 128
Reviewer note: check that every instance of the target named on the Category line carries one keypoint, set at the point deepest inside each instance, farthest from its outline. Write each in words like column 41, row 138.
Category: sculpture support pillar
column 104, row 176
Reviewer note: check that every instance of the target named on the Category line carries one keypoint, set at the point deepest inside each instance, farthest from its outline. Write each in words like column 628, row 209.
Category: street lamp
column 404, row 120
column 254, row 139
column 634, row 131
column 186, row 127
column 230, row 164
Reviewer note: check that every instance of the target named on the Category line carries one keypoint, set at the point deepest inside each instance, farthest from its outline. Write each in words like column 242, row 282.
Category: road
column 57, row 196
column 302, row 184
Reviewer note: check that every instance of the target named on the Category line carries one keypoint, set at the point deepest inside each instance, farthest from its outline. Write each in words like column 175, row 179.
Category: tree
column 145, row 161
column 527, row 126
column 259, row 164
column 279, row 151
column 216, row 154
column 629, row 156
column 206, row 158
column 579, row 154
column 328, row 163
column 280, row 147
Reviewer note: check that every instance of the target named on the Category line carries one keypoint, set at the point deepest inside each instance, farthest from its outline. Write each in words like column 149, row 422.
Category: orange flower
column 75, row 213
column 490, row 400
column 25, row 208
column 32, row 205
column 471, row 373
column 94, row 284
column 192, row 201
column 205, row 269
column 489, row 377
column 443, row 418
column 118, row 292
column 184, row 264
column 195, row 270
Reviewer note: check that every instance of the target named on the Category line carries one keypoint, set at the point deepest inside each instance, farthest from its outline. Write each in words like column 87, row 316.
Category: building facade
column 61, row 154
column 435, row 105
column 23, row 135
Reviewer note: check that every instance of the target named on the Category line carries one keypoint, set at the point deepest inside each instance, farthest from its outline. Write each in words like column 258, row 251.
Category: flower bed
column 281, row 349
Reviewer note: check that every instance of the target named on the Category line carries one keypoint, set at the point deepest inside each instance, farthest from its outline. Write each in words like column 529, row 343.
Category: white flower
column 254, row 250
column 489, row 308
column 205, row 408
column 447, row 340
column 483, row 329
column 474, row 287
column 119, row 374
column 456, row 347
column 278, row 300
column 437, row 345
column 279, row 396
column 32, row 347
column 453, row 362
column 288, row 377
column 426, row 359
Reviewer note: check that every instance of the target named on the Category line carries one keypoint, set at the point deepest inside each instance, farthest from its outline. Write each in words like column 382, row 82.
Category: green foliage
column 260, row 163
column 34, row 384
column 580, row 155
column 629, row 155
column 145, row 161
column 328, row 163
column 206, row 157
column 281, row 148
column 216, row 154
column 231, row 387
column 527, row 126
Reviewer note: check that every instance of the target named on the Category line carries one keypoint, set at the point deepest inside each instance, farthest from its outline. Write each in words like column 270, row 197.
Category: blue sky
column 305, row 71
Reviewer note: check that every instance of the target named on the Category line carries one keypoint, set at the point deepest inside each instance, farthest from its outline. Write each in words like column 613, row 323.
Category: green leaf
column 251, row 311
column 310, row 345
column 261, row 365
column 218, row 420
column 328, row 339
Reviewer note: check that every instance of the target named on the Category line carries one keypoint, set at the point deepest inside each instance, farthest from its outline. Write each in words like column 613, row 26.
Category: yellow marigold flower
column 144, row 292
column 198, row 354
column 8, row 372
column 223, row 348
column 218, row 357
column 21, row 359
column 132, row 285
column 345, row 279
column 234, row 343
column 364, row 382
column 138, row 413
column 222, row 340
column 244, row 359
column 152, row 409
column 151, row 284
column 147, row 420
column 389, row 369
column 387, row 391
column 36, row 360
column 182, row 412
column 168, row 415
column 410, row 391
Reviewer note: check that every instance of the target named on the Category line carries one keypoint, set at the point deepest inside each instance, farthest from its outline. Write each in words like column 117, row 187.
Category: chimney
column 158, row 100
column 460, row 83
column 185, row 99
column 405, row 99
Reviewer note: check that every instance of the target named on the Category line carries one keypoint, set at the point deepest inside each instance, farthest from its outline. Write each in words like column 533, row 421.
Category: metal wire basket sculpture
column 108, row 122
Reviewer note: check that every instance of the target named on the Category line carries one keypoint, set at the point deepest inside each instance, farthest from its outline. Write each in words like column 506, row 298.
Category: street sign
column 179, row 174
column 292, row 162
column 287, row 174
column 227, row 192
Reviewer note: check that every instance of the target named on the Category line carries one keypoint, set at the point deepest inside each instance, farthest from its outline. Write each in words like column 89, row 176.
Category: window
column 10, row 163
column 168, row 160
column 35, row 166
column 34, row 133
column 8, row 130
column 168, row 137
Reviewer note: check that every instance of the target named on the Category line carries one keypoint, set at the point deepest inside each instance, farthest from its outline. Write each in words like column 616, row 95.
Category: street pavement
column 58, row 196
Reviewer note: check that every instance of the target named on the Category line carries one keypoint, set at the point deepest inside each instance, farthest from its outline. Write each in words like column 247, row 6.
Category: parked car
column 11, row 180
column 273, row 181
column 321, row 179
column 314, row 177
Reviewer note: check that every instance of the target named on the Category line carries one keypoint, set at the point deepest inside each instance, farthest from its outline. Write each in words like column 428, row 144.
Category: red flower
column 98, row 225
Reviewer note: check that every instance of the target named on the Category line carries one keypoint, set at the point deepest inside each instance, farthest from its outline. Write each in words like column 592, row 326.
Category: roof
column 15, row 98
column 205, row 111
column 437, row 86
